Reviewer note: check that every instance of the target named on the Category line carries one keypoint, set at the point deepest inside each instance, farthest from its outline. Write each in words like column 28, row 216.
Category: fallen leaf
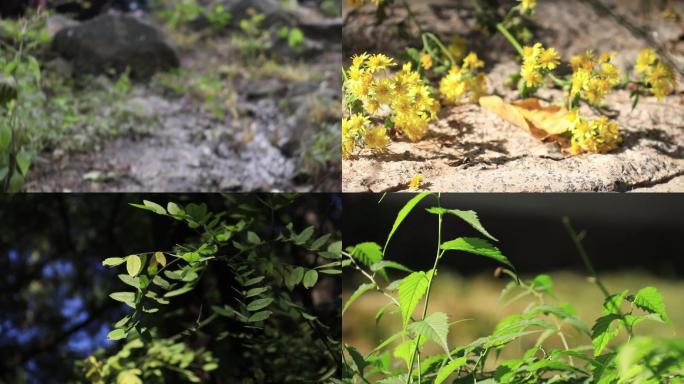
column 545, row 123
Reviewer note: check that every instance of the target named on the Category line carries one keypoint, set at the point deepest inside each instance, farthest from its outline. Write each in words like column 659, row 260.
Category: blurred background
column 633, row 241
column 54, row 304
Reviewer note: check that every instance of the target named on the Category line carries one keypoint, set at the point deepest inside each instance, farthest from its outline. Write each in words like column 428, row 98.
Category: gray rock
column 57, row 22
column 116, row 42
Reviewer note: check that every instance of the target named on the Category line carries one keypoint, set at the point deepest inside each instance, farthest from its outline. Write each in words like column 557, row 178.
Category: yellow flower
column 416, row 181
column 610, row 72
column 379, row 62
column 528, row 5
column 549, row 59
column 646, row 58
column 426, row 60
column 384, row 91
column 580, row 80
column 531, row 76
column 584, row 61
column 376, row 138
column 472, row 61
column 598, row 136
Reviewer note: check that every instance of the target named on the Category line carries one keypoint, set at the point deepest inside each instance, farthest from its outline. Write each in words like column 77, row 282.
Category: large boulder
column 116, row 42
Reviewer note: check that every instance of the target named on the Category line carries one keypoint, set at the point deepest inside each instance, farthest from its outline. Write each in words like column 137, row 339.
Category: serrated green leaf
column 259, row 304
column 650, row 300
column 389, row 264
column 133, row 265
column 411, row 290
column 434, row 327
column 310, row 278
column 469, row 217
column 367, row 253
column 363, row 288
column 603, row 332
column 408, row 207
column 450, row 368
column 476, row 246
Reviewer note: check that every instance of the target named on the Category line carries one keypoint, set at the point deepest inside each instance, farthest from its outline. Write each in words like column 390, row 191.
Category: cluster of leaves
column 403, row 359
column 183, row 13
column 263, row 282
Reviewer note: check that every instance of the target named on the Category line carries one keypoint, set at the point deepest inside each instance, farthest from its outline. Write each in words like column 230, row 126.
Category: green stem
column 438, row 255
column 439, row 44
column 587, row 263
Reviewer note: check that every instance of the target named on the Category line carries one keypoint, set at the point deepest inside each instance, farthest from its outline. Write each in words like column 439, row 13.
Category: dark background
column 627, row 231
column 54, row 304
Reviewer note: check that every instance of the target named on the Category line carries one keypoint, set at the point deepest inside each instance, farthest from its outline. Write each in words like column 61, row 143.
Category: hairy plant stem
column 587, row 263
column 438, row 255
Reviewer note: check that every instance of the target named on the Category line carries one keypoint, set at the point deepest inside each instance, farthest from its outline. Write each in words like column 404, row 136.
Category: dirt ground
column 469, row 149
column 190, row 150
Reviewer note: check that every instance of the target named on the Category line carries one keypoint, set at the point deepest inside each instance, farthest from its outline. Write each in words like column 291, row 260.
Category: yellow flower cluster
column 416, row 182
column 537, row 63
column 528, row 6
column 401, row 96
column 464, row 81
column 358, row 3
column 658, row 75
column 593, row 78
column 601, row 135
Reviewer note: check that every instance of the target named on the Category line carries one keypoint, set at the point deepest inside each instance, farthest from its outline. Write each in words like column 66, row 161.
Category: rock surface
column 116, row 42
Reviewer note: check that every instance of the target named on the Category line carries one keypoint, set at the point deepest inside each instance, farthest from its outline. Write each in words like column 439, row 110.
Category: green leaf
column 367, row 253
column 650, row 300
column 310, row 278
column 613, row 302
column 358, row 359
column 161, row 259
column 133, row 265
column 448, row 369
column 335, row 249
column 223, row 311
column 174, row 209
column 113, row 261
column 253, row 238
column 253, row 281
column 304, row 236
column 363, row 288
column 476, row 246
column 602, row 332
column 389, row 264
column 191, row 257
column 161, row 282
column 411, row 290
column 5, row 136
column 259, row 304
column 151, row 206
column 125, row 297
column 259, row 316
column 117, row 334
column 24, row 159
column 318, row 243
column 256, row 291
column 402, row 215
column 295, row 277
column 469, row 217
column 132, row 281
column 179, row 291
column 434, row 327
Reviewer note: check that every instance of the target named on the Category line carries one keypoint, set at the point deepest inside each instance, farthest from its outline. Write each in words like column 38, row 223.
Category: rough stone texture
column 472, row 150
column 116, row 42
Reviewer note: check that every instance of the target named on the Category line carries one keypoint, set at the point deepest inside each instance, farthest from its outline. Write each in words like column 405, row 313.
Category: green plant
column 294, row 37
column 267, row 268
column 403, row 357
